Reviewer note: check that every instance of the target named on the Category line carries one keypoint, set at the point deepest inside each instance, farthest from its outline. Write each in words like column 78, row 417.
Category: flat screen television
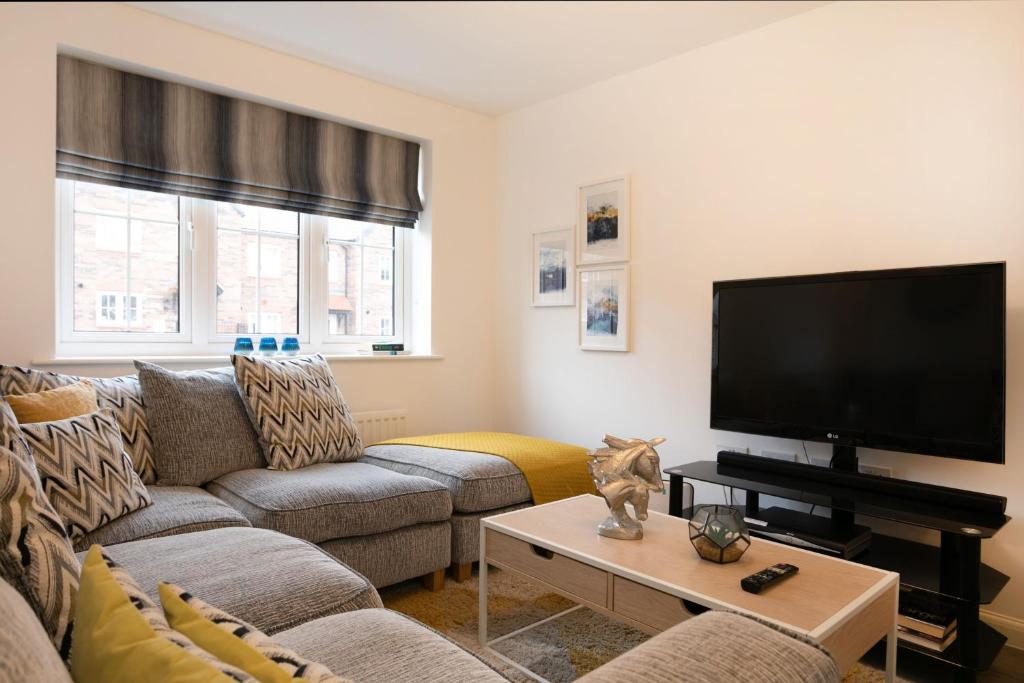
column 906, row 360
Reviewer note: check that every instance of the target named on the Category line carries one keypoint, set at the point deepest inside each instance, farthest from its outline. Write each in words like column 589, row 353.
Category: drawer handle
column 694, row 608
column 542, row 552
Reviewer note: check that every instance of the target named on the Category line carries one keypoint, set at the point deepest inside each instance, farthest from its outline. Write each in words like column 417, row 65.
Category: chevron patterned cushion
column 236, row 642
column 86, row 474
column 33, row 541
column 11, row 437
column 123, row 395
column 297, row 410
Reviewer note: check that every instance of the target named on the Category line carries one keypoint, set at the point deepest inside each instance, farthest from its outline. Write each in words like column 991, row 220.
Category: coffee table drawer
column 646, row 605
column 578, row 579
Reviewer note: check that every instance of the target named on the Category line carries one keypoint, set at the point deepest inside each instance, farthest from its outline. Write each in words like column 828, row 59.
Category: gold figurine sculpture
column 626, row 471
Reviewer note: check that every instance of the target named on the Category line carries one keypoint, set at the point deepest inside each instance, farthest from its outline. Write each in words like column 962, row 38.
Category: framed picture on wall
column 604, row 308
column 553, row 273
column 603, row 222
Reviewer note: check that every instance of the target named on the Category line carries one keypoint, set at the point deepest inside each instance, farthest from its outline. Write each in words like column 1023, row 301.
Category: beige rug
column 560, row 650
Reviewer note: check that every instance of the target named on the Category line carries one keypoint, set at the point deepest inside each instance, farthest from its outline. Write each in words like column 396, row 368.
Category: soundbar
column 910, row 490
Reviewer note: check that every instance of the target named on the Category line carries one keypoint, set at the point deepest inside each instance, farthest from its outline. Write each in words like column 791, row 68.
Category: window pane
column 236, row 289
column 361, row 279
column 342, row 229
column 154, row 277
column 257, row 270
column 125, row 271
column 101, row 199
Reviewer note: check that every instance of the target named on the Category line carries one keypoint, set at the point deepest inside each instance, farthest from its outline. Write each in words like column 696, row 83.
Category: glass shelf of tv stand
column 917, row 563
column 892, row 508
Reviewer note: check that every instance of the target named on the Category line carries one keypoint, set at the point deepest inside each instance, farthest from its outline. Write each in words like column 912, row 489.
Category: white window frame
column 72, row 341
column 400, row 281
column 198, row 296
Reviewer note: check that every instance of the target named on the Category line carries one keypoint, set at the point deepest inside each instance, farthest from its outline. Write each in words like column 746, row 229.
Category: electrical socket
column 780, row 455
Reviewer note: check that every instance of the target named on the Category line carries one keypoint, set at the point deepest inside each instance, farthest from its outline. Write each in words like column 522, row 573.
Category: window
column 258, row 269
column 358, row 305
column 124, row 265
column 193, row 274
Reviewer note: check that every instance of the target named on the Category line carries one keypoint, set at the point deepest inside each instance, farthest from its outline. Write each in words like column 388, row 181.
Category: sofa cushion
column 298, row 411
column 122, row 395
column 381, row 646
column 270, row 580
column 397, row 555
column 35, row 552
column 26, row 653
column 477, row 481
column 54, row 404
column 199, row 425
column 749, row 652
column 11, row 437
column 333, row 500
column 85, row 472
column 175, row 510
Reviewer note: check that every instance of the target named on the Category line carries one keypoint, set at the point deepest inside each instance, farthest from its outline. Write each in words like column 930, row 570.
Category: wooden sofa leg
column 462, row 572
column 434, row 581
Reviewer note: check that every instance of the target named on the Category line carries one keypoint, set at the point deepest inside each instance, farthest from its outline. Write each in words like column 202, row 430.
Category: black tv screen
column 906, row 360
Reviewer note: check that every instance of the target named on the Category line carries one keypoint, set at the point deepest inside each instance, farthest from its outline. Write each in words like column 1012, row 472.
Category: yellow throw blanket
column 553, row 470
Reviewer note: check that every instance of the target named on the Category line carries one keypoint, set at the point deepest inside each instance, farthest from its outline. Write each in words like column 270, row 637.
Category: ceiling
column 491, row 57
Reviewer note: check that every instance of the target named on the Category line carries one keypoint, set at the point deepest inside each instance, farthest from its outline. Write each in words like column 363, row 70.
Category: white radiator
column 379, row 425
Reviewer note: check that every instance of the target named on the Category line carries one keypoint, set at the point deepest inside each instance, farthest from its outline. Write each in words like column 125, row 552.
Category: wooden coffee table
column 652, row 584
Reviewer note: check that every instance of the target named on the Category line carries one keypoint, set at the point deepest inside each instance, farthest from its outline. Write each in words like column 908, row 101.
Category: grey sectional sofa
column 313, row 604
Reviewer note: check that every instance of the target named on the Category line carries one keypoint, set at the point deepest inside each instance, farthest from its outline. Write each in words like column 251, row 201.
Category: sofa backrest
column 26, row 653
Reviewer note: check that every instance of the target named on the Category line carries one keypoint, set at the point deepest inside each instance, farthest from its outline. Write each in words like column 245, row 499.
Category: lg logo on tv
column 833, row 436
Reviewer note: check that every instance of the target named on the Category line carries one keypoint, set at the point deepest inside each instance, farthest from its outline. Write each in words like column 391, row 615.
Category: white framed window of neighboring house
column 156, row 274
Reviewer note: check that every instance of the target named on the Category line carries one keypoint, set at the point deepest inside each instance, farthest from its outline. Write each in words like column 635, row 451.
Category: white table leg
column 483, row 587
column 890, row 643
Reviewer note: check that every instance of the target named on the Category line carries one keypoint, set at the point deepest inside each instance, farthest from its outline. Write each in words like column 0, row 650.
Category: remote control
column 755, row 583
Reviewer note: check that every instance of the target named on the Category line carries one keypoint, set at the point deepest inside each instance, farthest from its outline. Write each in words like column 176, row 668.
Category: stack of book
column 926, row 622
column 387, row 350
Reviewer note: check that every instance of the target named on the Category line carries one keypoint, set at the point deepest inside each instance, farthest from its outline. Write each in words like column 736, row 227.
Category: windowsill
column 208, row 360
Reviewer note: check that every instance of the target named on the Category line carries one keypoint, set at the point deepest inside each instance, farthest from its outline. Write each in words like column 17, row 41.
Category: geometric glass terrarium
column 719, row 533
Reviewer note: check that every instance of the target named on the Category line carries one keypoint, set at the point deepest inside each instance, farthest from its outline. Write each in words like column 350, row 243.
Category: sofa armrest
column 721, row 646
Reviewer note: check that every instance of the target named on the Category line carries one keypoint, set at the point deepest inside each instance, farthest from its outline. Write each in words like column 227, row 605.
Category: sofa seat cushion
column 477, row 481
column 333, row 500
column 381, row 646
column 721, row 646
column 175, row 510
column 270, row 580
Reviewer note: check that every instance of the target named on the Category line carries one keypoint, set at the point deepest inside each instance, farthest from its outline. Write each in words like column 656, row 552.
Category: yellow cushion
column 236, row 642
column 113, row 642
column 55, row 404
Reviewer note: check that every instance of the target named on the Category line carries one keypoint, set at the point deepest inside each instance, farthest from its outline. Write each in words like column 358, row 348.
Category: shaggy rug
column 560, row 650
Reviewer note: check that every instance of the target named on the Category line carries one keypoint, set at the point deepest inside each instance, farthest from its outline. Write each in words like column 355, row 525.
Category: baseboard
column 1011, row 627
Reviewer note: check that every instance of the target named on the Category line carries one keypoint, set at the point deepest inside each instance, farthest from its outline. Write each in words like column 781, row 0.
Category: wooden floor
column 1009, row 668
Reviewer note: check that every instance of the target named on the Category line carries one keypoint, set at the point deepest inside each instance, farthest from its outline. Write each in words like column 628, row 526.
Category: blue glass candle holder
column 268, row 346
column 290, row 346
column 243, row 346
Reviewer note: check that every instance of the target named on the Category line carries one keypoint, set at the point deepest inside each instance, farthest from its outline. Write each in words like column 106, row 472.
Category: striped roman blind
column 123, row 129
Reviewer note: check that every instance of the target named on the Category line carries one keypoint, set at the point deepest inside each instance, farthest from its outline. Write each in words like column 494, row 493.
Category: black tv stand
column 952, row 572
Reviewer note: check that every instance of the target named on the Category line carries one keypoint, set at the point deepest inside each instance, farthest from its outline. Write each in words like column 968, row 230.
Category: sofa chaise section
column 270, row 580
column 174, row 510
column 388, row 526
column 480, row 485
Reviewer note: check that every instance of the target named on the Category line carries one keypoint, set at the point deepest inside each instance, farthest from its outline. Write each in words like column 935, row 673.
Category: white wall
column 451, row 394
column 855, row 136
